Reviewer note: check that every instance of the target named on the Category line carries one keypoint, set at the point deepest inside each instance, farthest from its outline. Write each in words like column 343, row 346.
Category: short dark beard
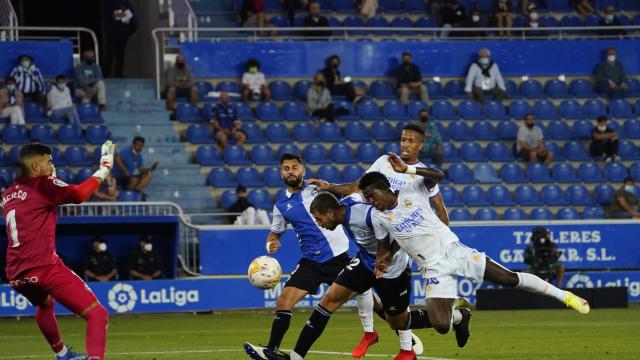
column 296, row 184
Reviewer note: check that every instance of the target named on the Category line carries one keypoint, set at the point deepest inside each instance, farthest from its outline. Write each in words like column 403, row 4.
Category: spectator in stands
column 315, row 19
column 29, row 79
column 484, row 78
column 100, row 265
column 89, row 81
column 319, row 99
column 624, row 204
column 542, row 256
column 435, row 9
column 59, row 102
column 336, row 84
column 254, row 84
column 604, row 140
column 179, row 83
column 610, row 76
column 610, row 19
column 145, row 263
column 12, row 102
column 501, row 12
column 530, row 142
column 432, row 145
column 252, row 13
column 583, row 7
column 453, row 15
column 409, row 78
column 108, row 190
column 368, row 9
column 129, row 170
column 120, row 23
column 225, row 122
column 474, row 20
column 291, row 6
column 249, row 215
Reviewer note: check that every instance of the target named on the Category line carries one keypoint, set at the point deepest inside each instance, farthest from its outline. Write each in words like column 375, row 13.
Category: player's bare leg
column 443, row 315
column 498, row 274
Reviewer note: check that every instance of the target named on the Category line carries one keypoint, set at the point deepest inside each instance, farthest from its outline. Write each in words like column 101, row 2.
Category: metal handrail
column 9, row 18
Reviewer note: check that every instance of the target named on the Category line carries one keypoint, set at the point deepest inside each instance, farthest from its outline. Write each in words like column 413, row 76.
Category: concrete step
column 135, row 118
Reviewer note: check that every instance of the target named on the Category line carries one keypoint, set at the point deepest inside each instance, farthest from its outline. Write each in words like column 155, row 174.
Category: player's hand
column 273, row 246
column 396, row 163
column 320, row 184
column 382, row 266
column 106, row 160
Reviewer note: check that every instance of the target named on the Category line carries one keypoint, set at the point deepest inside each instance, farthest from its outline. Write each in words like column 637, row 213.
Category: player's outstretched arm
column 431, row 176
column 342, row 189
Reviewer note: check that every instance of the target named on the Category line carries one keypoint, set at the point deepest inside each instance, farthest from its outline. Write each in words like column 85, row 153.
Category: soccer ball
column 264, row 272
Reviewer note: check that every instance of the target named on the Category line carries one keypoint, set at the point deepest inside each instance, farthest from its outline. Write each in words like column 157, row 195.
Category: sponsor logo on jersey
column 289, row 206
column 408, row 224
column 407, row 203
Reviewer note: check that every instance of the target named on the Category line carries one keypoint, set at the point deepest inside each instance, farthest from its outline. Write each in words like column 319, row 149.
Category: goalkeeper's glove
column 106, row 161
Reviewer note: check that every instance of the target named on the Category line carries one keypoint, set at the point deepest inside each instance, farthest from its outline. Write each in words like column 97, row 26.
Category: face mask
column 11, row 87
column 60, row 86
column 25, row 63
column 335, row 65
column 533, row 16
column 424, row 119
column 148, row 247
column 611, row 58
column 90, row 61
column 609, row 18
column 484, row 61
column 475, row 18
column 533, row 24
column 406, row 62
column 602, row 128
column 102, row 247
column 320, row 83
column 253, row 70
column 530, row 126
column 180, row 65
column 630, row 188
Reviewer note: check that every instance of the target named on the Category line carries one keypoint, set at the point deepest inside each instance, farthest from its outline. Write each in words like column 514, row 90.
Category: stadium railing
column 9, row 19
column 181, row 15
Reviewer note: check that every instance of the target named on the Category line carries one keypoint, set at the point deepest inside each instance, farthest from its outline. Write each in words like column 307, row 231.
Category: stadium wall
column 51, row 57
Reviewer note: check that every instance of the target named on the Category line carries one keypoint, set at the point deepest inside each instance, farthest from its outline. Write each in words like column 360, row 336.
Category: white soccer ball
column 264, row 272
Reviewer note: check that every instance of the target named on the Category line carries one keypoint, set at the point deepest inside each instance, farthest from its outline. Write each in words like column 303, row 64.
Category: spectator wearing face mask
column 583, row 7
column 409, row 79
column 145, row 263
column 501, row 10
column 474, row 21
column 453, row 15
column 179, row 83
column 610, row 19
column 100, row 265
column 530, row 142
column 12, row 102
column 604, row 140
column 315, row 20
column 129, row 167
column 89, row 81
column 624, row 204
column 249, row 214
column 432, row 145
column 484, row 78
column 610, row 77
column 254, row 83
column 29, row 79
column 59, row 102
column 337, row 85
column 533, row 22
column 319, row 99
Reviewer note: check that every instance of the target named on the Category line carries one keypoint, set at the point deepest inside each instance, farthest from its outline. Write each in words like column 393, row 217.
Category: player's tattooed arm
column 341, row 189
column 431, row 176
column 273, row 242
column 438, row 205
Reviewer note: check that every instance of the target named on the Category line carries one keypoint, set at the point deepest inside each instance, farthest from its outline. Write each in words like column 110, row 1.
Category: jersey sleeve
column 355, row 197
column 418, row 186
column 57, row 192
column 377, row 165
column 379, row 227
column 278, row 224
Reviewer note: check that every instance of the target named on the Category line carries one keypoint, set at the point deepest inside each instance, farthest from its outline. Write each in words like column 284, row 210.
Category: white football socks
column 365, row 310
column 534, row 284
column 406, row 341
column 62, row 352
column 294, row 356
column 456, row 317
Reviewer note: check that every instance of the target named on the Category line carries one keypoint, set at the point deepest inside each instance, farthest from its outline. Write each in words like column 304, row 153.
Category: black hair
column 629, row 179
column 406, row 53
column 253, row 62
column 60, row 77
column 601, row 118
column 31, row 150
column 97, row 238
column 375, row 179
column 331, row 58
column 241, row 188
column 145, row 238
column 25, row 55
column 414, row 127
column 138, row 138
column 9, row 78
column 290, row 156
column 324, row 202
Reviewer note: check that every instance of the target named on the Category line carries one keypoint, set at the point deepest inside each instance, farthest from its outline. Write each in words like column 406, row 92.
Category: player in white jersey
column 406, row 218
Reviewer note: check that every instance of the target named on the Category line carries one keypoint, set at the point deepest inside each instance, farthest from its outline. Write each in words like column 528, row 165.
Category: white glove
column 106, row 161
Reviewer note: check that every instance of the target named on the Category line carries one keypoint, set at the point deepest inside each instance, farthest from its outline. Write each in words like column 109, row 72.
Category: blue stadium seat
column 518, row 109
column 470, row 110
column 594, row 108
column 281, row 90
column 582, row 88
column 499, row 195
column 348, row 106
column 357, row 132
column 545, row 109
column 450, row 196
column 571, row 21
column 564, row 173
column 633, row 84
column 560, row 5
column 507, row 130
column 593, row 212
column 532, row 89
column 485, row 174
column 301, row 88
column 459, row 131
column 499, row 152
column 442, row 131
column 82, row 175
column 249, row 177
column 14, row 154
column 96, row 134
column 590, row 172
column 582, row 129
column 199, row 134
column 526, row 195
column 89, row 113
column 620, row 109
column 541, row 214
column 435, row 90
column 263, row 155
column 129, row 196
column 254, row 133
column 204, row 88
column 235, row 155
column 351, row 173
column 575, row 151
column 472, row 152
column 316, row 154
column 43, row 133
column 261, row 199
column 603, row 194
column 383, row 131
column 268, row 111
column 486, row 214
column 229, row 86
column 579, row 195
column 548, row 21
column 382, row 89
column 634, row 171
column 287, row 148
column 278, row 133
column 56, row 155
column 14, row 134
column 461, row 174
column 591, row 20
column 369, row 110
column 208, row 155
column 538, row 173
column 615, row 126
column 392, row 6
column 426, row 22
column 359, row 84
column 483, row 130
column 344, row 6
column 628, row 150
column 228, row 198
column 343, row 154
column 512, row 88
column 512, row 174
column 450, row 152
column 393, row 147
column 34, row 113
column 77, row 156
column 402, row 22
column 615, row 172
column 414, row 6
column 558, row 152
column 4, row 161
column 632, row 128
column 271, row 176
column 71, row 135
column 514, row 214
column 558, row 130
column 568, row 214
column 394, row 110
column 7, row 175
column 460, row 215
column 494, row 110
column 221, row 177
column 556, row 89
column 305, row 132
column 330, row 132
column 455, row 89
column 571, row 109
column 414, row 108
column 244, row 112
column 379, row 22
column 294, row 111
column 330, row 174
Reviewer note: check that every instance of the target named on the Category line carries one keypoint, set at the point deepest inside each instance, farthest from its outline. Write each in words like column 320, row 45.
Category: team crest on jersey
column 407, row 203
column 60, row 183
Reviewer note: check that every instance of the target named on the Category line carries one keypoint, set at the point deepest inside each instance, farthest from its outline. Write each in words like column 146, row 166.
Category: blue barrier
column 584, row 246
column 205, row 294
column 51, row 57
column 375, row 59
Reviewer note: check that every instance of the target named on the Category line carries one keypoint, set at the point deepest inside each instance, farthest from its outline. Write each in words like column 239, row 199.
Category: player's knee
column 396, row 322
column 441, row 325
column 98, row 314
column 331, row 302
column 509, row 278
column 283, row 303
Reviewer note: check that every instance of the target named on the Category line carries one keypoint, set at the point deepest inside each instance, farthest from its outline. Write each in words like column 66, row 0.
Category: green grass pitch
column 536, row 334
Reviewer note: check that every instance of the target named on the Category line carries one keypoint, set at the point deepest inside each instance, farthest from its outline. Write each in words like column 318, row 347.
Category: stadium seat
column 593, row 212
column 564, row 173
column 330, row 132
column 493, row 110
column 129, row 196
column 633, row 85
column 581, row 88
column 579, row 195
column 89, row 113
column 507, row 130
column 556, row 89
column 350, row 111
column 444, row 110
column 330, row 174
column 538, row 173
column 187, row 112
column 4, row 160
column 450, row 152
column 249, row 177
column 281, row 90
column 369, row 110
column 499, row 152
column 450, row 196
column 294, row 111
column 545, row 110
column 582, row 129
column 77, row 156
column 254, row 133
column 603, row 194
column 628, row 150
column 34, row 113
column 96, row 134
column 204, row 88
column 287, row 148
column 615, row 172
column 357, row 132
column 615, row 126
column 461, row 174
column 14, row 134
column 486, row 214
column 414, row 6
column 460, row 215
column 532, row 89
column 316, row 154
column 382, row 89
column 401, row 22
column 558, row 130
column 526, row 195
column 82, row 175
column 512, row 88
column 594, row 108
column 305, row 132
column 235, row 155
column 351, row 173
column 14, row 154
column 541, row 214
column 455, row 89
column 415, row 107
column 632, row 128
column 244, row 112
column 590, row 172
column 208, row 155
column 575, row 151
column 383, row 131
column 43, row 133
column 221, row 177
column 568, row 214
column 271, row 176
column 7, row 175
column 459, row 131
column 469, row 110
column 278, row 133
column 228, row 198
column 558, row 152
column 620, row 109
column 268, row 111
column 393, row 147
column 518, row 109
column 263, row 155
column 206, row 112
column 548, row 21
column 514, row 214
column 472, row 152
column 229, row 86
column 56, row 155
column 261, row 199
column 71, row 135
column 435, row 90
column 199, row 134
column 634, row 171
column 343, row 154
column 394, row 110
column 499, row 195
column 485, row 174
column 392, row 6
column 379, row 22
column 301, row 88
column 512, row 174
column 571, row 21
column 426, row 22
column 571, row 109
column 591, row 20
column 483, row 130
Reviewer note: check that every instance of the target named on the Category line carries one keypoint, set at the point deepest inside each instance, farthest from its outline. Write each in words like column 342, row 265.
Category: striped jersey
column 28, row 80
